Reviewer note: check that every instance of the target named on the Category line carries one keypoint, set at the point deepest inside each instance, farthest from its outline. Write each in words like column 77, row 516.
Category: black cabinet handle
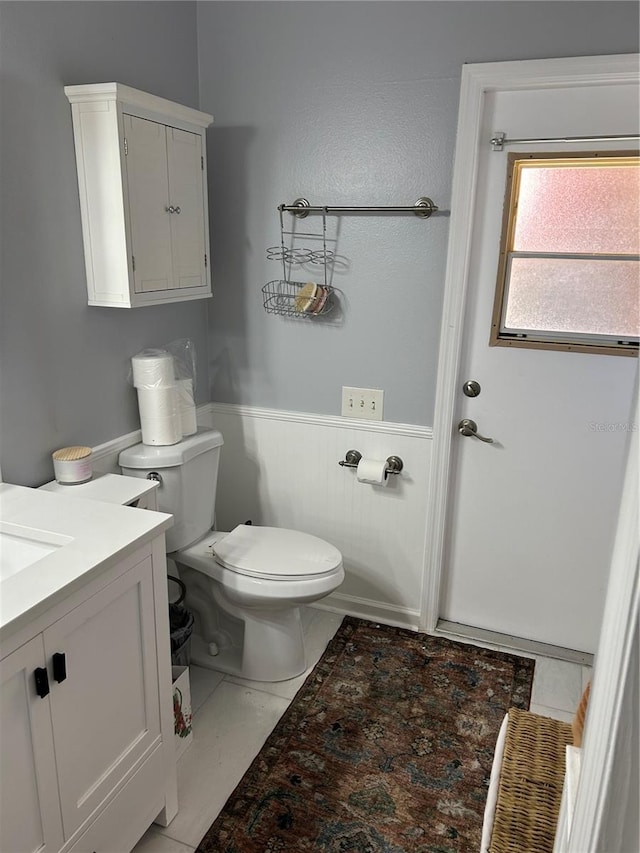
column 59, row 667
column 42, row 681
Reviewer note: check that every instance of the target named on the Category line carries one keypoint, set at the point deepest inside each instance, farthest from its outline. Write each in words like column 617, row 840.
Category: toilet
column 245, row 587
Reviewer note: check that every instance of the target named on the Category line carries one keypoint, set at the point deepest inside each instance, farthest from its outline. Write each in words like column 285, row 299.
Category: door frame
column 600, row 781
column 479, row 80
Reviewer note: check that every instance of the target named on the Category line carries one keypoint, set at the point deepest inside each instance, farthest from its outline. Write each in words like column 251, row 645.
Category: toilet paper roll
column 158, row 403
column 161, row 431
column 152, row 369
column 188, row 421
column 373, row 471
column 186, row 406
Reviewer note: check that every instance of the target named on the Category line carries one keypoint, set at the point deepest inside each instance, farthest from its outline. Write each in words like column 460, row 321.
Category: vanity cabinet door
column 29, row 790
column 104, row 707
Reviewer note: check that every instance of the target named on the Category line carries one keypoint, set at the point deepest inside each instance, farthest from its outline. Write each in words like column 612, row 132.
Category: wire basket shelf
column 299, row 256
column 289, row 298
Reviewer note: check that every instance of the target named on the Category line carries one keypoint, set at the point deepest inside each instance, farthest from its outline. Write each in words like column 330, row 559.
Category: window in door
column 569, row 268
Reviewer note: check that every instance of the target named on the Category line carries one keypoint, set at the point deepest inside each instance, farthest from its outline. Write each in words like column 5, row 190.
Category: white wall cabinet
column 85, row 709
column 142, row 182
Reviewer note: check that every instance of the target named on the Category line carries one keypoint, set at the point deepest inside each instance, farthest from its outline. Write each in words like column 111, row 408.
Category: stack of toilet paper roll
column 186, row 406
column 166, row 404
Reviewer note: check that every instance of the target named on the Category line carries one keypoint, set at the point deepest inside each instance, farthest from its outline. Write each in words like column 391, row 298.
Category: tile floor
column 233, row 717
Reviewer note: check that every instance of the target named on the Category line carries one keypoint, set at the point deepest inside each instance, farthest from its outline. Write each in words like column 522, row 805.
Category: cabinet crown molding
column 91, row 92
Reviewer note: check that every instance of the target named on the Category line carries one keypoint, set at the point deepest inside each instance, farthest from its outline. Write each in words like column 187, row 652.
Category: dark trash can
column 181, row 628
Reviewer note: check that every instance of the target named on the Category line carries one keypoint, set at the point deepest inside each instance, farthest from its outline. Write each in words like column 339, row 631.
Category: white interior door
column 530, row 518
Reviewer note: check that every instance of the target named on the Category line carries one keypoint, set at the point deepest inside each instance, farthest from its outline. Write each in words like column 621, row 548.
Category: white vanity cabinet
column 88, row 760
column 29, row 803
column 142, row 181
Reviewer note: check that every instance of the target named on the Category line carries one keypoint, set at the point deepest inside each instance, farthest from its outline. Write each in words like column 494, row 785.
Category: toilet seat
column 275, row 554
column 253, row 617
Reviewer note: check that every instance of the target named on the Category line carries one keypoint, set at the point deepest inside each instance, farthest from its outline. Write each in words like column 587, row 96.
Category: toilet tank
column 188, row 474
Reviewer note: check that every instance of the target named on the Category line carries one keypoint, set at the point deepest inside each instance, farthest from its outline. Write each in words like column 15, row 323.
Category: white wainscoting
column 281, row 468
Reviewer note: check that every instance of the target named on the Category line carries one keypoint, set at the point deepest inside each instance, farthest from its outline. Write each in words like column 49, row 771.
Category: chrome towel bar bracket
column 352, row 457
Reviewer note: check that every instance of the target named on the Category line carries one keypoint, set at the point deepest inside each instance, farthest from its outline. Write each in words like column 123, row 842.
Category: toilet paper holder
column 352, row 457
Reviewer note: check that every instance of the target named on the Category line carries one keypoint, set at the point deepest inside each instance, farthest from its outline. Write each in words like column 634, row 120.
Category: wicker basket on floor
column 531, row 782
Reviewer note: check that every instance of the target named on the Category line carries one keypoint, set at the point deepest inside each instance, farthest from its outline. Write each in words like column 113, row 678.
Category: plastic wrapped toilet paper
column 186, row 406
column 164, row 380
column 152, row 368
column 158, row 403
column 161, row 431
column 160, row 420
column 373, row 471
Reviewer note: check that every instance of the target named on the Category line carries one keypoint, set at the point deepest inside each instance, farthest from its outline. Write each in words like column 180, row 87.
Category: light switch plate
column 364, row 403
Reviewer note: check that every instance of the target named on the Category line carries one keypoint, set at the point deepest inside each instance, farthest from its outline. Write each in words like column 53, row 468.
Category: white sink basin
column 22, row 546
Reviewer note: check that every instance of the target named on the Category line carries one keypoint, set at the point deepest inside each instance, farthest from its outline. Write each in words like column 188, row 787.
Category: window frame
column 562, row 341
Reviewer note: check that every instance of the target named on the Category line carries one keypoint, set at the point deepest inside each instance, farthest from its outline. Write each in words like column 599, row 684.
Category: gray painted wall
column 351, row 103
column 341, row 102
column 64, row 365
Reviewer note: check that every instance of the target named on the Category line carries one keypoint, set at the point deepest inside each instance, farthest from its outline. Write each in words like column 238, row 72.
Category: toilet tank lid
column 148, row 456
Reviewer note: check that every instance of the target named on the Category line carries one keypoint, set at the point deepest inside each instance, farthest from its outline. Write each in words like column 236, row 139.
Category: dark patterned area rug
column 386, row 748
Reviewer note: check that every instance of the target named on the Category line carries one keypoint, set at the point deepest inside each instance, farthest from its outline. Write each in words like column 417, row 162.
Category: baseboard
column 373, row 611
column 509, row 643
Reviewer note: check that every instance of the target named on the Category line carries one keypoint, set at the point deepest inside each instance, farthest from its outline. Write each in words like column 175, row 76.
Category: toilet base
column 264, row 649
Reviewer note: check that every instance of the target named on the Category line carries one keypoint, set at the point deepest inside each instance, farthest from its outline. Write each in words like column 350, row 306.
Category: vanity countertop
column 111, row 488
column 77, row 538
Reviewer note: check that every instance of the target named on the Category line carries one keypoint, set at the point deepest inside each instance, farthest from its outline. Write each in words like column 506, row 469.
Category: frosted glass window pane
column 568, row 295
column 578, row 209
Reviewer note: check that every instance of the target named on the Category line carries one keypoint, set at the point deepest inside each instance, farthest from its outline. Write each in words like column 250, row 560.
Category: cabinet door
column 148, row 194
column 186, row 194
column 29, row 791
column 105, row 712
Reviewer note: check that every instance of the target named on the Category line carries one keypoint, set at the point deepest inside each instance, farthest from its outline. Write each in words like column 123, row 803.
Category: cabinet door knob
column 170, row 209
column 42, row 681
column 177, row 209
column 59, row 667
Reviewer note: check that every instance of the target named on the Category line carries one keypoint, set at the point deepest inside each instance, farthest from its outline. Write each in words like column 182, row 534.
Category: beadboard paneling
column 281, row 469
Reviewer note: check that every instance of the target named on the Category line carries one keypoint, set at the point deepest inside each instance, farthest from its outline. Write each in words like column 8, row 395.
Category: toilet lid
column 274, row 552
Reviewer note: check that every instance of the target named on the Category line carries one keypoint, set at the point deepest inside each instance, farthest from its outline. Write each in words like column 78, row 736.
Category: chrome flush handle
column 467, row 427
